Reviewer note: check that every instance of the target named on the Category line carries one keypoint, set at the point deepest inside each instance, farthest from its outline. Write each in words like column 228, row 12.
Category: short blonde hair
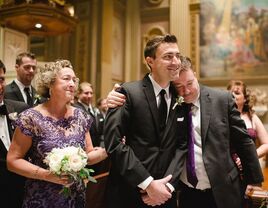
column 46, row 76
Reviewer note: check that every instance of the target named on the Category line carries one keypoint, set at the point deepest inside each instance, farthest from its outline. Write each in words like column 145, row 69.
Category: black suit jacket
column 145, row 153
column 13, row 92
column 11, row 184
column 222, row 127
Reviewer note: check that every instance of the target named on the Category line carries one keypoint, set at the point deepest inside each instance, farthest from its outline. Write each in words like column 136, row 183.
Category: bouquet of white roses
column 70, row 161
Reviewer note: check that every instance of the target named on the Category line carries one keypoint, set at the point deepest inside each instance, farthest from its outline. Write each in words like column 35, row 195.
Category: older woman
column 254, row 125
column 53, row 124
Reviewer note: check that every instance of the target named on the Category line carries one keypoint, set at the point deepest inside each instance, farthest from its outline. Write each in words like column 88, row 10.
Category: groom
column 143, row 170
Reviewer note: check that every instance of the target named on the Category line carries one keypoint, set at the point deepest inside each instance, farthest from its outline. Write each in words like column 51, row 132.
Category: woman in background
column 255, row 127
column 53, row 124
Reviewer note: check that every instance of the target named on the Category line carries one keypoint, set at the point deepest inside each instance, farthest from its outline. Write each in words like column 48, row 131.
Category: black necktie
column 162, row 110
column 190, row 162
column 3, row 110
column 29, row 97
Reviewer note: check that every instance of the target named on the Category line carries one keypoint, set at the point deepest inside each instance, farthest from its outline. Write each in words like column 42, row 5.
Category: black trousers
column 192, row 198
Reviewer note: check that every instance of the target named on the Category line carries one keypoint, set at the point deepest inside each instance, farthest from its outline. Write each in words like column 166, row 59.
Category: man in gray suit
column 217, row 128
column 11, row 184
column 144, row 167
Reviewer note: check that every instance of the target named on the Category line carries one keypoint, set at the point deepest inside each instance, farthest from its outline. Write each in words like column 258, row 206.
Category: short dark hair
column 24, row 54
column 152, row 44
column 2, row 66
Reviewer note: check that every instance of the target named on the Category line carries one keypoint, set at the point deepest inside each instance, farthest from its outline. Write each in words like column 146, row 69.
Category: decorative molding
column 14, row 42
column 155, row 14
column 154, row 2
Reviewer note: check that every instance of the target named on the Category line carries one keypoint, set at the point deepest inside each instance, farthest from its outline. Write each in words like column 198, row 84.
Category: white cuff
column 143, row 185
column 171, row 188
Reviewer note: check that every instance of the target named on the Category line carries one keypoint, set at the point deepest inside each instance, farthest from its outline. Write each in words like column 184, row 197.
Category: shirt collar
column 22, row 86
column 158, row 88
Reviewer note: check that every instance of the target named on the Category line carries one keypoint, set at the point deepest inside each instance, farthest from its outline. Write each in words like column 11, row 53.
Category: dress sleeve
column 85, row 119
column 25, row 122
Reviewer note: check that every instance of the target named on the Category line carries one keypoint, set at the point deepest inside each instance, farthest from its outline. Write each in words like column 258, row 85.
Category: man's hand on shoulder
column 114, row 98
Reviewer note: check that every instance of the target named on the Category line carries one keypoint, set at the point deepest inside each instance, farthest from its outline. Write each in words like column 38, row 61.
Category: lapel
column 206, row 110
column 150, row 96
column 16, row 91
column 151, row 100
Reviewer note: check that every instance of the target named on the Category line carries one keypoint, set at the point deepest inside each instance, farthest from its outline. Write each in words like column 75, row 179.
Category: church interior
column 104, row 40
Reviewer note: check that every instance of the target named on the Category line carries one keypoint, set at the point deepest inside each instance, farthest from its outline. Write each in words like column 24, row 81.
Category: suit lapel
column 150, row 96
column 206, row 106
column 16, row 91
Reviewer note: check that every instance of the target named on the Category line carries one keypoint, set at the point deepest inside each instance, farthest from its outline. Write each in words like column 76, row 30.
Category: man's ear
column 16, row 67
column 149, row 61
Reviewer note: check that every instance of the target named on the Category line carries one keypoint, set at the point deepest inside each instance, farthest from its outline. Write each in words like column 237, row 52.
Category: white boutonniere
column 179, row 101
column 13, row 116
column 37, row 99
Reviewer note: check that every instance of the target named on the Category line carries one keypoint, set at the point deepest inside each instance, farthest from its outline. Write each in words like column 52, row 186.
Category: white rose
column 55, row 162
column 76, row 163
column 68, row 151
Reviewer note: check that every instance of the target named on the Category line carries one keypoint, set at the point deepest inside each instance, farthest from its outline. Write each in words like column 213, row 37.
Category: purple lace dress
column 48, row 133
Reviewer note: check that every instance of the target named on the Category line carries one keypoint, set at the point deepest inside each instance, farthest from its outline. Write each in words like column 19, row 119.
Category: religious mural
column 233, row 38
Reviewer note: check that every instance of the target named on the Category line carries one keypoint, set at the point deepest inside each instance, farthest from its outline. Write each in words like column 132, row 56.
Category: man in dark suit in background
column 85, row 97
column 11, row 184
column 95, row 191
column 21, row 89
column 144, row 167
column 100, row 118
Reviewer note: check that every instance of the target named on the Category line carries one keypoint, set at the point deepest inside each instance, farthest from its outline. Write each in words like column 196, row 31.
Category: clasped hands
column 157, row 192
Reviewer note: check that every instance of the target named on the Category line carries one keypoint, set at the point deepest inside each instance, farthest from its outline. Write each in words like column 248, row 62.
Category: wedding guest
column 21, row 89
column 148, row 162
column 100, row 118
column 255, row 127
column 53, row 124
column 216, row 126
column 11, row 184
column 84, row 101
column 95, row 192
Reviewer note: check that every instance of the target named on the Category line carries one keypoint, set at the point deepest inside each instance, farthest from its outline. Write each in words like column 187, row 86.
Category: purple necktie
column 190, row 162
